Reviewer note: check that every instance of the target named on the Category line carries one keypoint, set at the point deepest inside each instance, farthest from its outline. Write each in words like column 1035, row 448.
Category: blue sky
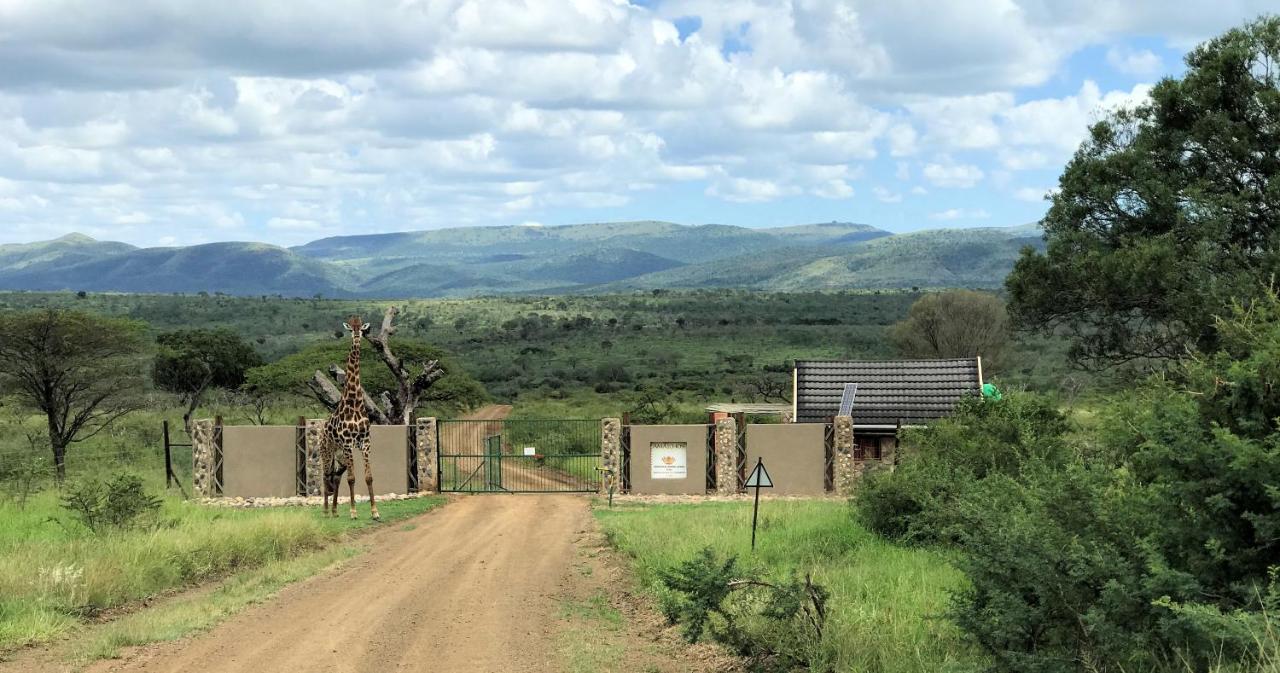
column 172, row 122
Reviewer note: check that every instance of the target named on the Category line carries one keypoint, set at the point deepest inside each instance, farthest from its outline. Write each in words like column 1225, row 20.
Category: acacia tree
column 189, row 362
column 412, row 375
column 955, row 324
column 81, row 371
column 1167, row 212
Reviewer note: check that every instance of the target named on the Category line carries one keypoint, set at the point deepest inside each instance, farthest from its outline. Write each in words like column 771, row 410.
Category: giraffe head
column 356, row 326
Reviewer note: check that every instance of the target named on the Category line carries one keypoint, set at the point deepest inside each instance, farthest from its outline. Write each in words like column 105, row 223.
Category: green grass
column 54, row 573
column 887, row 601
column 188, row 614
column 590, row 642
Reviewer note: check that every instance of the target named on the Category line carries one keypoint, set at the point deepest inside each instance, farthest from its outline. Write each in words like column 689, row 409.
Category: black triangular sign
column 759, row 477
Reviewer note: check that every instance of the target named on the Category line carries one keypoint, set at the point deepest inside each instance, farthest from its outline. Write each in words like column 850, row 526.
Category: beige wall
column 259, row 461
column 794, row 455
column 388, row 459
column 695, row 439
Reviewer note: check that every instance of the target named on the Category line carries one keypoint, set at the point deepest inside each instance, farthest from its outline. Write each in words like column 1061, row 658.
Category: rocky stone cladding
column 726, row 454
column 610, row 451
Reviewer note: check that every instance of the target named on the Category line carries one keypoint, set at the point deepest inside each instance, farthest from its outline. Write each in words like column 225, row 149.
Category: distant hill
column 70, row 249
column 934, row 258
column 233, row 268
column 526, row 259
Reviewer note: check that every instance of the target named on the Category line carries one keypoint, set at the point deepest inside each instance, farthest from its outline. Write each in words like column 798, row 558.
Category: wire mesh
column 519, row 456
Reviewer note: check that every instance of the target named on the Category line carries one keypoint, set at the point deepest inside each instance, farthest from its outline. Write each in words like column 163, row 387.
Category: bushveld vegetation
column 56, row 570
column 885, row 601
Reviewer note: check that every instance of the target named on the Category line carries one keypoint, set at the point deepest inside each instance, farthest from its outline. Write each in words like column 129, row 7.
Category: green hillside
column 473, row 261
column 69, row 249
column 232, row 268
column 934, row 258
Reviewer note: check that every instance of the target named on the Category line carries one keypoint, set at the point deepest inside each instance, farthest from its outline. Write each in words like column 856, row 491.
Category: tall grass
column 54, row 573
column 886, row 601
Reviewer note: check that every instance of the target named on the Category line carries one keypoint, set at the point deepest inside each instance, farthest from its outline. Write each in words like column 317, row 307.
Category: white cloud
column 833, row 189
column 960, row 214
column 947, row 173
column 886, row 196
column 1031, row 194
column 1137, row 62
column 171, row 118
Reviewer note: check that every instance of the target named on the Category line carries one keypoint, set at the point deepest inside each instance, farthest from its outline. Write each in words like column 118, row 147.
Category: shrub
column 1160, row 554
column 116, row 503
column 937, row 464
column 698, row 594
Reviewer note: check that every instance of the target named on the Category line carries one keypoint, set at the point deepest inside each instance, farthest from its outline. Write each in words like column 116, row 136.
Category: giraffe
column 345, row 429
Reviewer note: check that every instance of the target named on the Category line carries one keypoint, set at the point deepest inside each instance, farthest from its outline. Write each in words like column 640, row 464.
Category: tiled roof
column 913, row 391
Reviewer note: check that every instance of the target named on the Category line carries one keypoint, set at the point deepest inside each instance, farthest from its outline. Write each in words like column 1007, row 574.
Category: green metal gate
column 518, row 456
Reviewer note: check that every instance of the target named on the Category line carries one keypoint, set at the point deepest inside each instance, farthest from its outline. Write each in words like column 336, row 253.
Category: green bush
column 116, row 503
column 939, row 463
column 709, row 594
column 1161, row 553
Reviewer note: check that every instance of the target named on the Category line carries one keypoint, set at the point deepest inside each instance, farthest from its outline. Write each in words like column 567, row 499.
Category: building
column 891, row 394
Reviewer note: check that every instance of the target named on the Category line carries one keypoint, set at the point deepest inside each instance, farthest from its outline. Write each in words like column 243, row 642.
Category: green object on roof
column 991, row 392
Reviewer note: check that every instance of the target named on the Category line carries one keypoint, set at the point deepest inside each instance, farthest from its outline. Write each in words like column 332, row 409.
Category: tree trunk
column 60, row 460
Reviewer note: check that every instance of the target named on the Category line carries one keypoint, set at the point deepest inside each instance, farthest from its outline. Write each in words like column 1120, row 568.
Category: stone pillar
column 311, row 441
column 427, row 479
column 611, row 452
column 202, row 458
column 846, row 472
column 726, row 453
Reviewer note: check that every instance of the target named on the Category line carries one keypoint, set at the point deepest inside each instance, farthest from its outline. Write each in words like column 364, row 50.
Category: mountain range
column 580, row 258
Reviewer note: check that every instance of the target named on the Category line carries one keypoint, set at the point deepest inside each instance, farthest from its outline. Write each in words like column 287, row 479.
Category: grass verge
column 886, row 603
column 54, row 575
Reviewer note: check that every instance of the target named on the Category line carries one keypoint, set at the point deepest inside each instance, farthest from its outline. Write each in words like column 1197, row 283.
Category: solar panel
column 846, row 400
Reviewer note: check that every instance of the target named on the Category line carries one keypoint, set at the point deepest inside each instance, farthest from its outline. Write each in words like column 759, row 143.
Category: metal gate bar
column 518, row 456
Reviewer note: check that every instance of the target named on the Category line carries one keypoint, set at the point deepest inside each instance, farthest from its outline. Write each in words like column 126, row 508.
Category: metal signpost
column 759, row 479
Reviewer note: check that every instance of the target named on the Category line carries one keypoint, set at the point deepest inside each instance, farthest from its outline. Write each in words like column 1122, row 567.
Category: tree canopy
column 955, row 324
column 454, row 391
column 79, row 370
column 189, row 362
column 1166, row 213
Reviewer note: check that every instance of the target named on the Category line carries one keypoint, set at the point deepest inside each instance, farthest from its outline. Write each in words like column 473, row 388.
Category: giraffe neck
column 352, row 393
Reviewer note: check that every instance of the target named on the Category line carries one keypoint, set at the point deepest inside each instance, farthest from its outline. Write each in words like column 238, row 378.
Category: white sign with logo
column 668, row 460
column 530, row 450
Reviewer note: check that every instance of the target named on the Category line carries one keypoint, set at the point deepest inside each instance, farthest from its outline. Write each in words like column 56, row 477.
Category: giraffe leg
column 324, row 488
column 351, row 481
column 336, row 489
column 368, row 481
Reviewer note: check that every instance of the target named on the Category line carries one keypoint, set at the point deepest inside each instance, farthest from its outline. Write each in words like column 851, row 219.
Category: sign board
column 668, row 460
column 759, row 477
column 530, row 450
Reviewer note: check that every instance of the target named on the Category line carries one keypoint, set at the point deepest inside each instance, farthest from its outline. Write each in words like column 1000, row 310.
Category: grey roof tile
column 912, row 391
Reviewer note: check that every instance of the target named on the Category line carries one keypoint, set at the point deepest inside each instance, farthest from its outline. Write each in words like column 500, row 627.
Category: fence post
column 428, row 481
column 168, row 459
column 202, row 457
column 726, row 456
column 846, row 468
column 610, row 450
column 311, row 443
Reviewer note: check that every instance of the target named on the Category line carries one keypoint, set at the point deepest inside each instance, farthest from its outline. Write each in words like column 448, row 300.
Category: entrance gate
column 518, row 456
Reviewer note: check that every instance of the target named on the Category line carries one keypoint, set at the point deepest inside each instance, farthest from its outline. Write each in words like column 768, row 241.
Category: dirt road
column 476, row 586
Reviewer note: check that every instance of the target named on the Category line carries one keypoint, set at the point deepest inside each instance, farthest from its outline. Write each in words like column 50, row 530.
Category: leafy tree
column 456, row 390
column 189, row 362
column 77, row 369
column 955, row 324
column 1162, row 551
column 1166, row 212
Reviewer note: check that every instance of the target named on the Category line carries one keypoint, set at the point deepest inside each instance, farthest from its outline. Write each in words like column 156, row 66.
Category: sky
column 177, row 122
